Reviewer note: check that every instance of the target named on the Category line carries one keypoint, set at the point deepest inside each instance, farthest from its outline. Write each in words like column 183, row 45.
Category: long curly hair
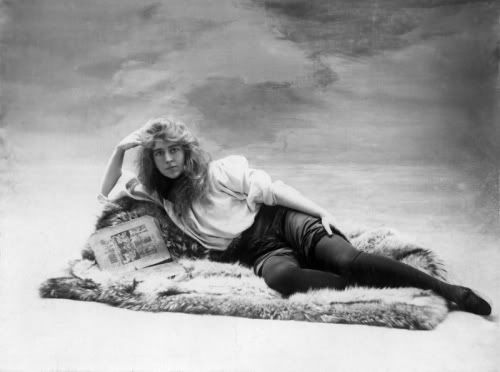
column 193, row 183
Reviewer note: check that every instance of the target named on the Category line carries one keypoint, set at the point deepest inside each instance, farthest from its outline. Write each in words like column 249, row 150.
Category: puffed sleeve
column 235, row 177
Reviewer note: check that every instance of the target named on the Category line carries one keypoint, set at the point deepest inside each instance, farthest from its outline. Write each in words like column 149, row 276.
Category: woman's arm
column 114, row 168
column 289, row 197
column 234, row 173
column 113, row 171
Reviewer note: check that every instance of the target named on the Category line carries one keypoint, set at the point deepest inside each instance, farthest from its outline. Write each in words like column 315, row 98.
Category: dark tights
column 338, row 264
column 284, row 274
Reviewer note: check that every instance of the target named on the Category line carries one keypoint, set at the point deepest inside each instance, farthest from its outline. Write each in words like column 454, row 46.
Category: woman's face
column 168, row 158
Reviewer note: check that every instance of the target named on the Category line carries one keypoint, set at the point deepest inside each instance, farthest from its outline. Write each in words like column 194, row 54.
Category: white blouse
column 235, row 195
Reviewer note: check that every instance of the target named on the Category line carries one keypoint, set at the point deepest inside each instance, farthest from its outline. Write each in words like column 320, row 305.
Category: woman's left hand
column 327, row 221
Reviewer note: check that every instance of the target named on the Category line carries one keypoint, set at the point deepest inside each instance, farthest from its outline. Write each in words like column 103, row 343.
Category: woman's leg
column 337, row 255
column 284, row 274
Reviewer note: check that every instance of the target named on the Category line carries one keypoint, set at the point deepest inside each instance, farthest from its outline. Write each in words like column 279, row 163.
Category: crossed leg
column 284, row 274
column 336, row 264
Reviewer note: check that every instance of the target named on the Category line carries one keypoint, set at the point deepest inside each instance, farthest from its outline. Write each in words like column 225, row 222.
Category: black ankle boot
column 472, row 303
column 380, row 271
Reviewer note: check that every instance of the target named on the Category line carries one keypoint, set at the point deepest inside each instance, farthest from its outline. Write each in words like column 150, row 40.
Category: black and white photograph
column 249, row 185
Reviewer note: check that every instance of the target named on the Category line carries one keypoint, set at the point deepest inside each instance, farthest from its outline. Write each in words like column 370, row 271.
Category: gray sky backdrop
column 317, row 81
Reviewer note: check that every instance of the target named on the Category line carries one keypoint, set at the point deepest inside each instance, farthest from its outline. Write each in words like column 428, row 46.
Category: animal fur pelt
column 211, row 285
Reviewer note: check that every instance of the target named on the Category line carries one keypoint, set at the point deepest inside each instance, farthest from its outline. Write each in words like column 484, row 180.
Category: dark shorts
column 278, row 231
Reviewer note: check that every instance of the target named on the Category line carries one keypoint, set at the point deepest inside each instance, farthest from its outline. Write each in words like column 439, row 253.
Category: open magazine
column 131, row 245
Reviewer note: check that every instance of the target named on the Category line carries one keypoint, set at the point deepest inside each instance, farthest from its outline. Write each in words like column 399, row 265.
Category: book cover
column 131, row 245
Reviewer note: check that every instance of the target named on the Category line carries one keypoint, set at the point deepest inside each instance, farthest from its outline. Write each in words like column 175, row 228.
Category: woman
column 289, row 240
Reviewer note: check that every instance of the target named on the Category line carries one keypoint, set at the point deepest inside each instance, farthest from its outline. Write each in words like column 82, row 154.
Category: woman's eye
column 158, row 153
column 173, row 150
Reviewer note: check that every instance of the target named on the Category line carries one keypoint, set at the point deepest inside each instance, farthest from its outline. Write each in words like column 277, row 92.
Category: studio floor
column 44, row 227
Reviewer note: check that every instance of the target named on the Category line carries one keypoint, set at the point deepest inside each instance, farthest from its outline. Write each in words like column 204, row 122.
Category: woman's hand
column 327, row 220
column 134, row 139
column 287, row 196
column 114, row 168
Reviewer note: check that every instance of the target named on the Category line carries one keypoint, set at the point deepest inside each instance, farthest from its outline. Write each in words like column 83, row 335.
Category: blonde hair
column 193, row 183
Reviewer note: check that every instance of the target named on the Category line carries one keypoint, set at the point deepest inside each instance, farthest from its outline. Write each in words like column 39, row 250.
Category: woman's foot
column 472, row 303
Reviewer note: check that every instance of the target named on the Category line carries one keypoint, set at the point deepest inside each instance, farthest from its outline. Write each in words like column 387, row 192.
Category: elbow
column 109, row 183
column 279, row 193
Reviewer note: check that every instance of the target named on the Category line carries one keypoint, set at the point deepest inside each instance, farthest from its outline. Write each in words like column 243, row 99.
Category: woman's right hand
column 114, row 168
column 134, row 139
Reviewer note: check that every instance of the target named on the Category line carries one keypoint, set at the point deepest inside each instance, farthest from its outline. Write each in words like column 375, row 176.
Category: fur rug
column 201, row 285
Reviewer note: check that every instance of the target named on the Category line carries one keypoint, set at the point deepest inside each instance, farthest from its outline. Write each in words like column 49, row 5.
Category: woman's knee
column 280, row 275
column 333, row 253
